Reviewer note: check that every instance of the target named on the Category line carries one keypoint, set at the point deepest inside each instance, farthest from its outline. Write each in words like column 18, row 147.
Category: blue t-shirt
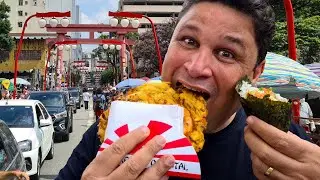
column 225, row 154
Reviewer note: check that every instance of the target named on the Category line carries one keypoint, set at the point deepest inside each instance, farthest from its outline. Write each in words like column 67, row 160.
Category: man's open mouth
column 201, row 92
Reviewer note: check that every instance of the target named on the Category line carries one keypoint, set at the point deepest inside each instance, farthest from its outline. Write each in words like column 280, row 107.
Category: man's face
column 212, row 48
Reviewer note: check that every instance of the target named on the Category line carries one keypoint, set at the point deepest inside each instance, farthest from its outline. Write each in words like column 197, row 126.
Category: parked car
column 73, row 101
column 11, row 158
column 60, row 109
column 77, row 97
column 32, row 127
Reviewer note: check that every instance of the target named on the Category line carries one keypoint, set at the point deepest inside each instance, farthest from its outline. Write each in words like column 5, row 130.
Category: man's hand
column 106, row 165
column 289, row 156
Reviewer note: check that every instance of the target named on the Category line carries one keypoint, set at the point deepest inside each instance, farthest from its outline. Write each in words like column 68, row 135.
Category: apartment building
column 160, row 11
column 20, row 11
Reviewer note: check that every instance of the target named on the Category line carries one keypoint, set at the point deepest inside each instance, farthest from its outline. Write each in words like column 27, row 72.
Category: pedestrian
column 305, row 114
column 86, row 98
column 99, row 103
column 214, row 45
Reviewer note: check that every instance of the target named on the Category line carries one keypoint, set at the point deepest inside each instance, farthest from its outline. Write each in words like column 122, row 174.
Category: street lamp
column 105, row 46
column 124, row 22
column 74, row 46
column 140, row 16
column 38, row 15
column 290, row 28
column 53, row 22
column 113, row 22
column 60, row 47
column 112, row 46
column 118, row 47
column 135, row 23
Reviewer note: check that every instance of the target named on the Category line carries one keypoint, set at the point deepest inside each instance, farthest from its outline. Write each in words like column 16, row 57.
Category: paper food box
column 165, row 120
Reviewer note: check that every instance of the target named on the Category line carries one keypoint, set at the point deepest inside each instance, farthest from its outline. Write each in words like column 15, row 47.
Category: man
column 214, row 45
column 99, row 103
column 305, row 112
column 86, row 98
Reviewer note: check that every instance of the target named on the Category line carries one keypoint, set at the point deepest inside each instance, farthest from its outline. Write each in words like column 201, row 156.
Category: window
column 19, row 24
column 20, row 13
column 26, row 14
column 44, row 111
column 39, row 115
column 20, row 2
column 26, row 2
column 35, row 2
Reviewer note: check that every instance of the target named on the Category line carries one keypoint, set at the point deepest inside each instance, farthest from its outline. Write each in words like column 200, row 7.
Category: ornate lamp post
column 42, row 22
column 135, row 24
column 290, row 29
column 60, row 47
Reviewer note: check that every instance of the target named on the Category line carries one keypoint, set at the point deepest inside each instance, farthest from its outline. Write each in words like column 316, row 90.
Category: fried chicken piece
column 195, row 111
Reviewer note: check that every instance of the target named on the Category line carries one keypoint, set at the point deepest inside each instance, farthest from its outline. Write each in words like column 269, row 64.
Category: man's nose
column 199, row 64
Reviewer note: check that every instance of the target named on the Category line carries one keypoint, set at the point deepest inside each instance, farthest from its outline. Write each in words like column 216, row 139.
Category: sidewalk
column 92, row 117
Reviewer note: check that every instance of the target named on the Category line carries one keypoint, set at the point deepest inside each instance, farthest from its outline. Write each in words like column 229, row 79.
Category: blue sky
column 95, row 11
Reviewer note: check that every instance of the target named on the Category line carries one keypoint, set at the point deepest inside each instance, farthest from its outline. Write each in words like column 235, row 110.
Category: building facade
column 160, row 11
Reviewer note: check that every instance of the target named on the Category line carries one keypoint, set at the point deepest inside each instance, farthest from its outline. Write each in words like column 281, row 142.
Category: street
column 82, row 120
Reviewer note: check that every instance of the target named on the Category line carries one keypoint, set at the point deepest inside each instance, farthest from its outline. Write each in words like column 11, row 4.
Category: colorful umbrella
column 156, row 78
column 315, row 68
column 289, row 77
column 21, row 81
column 130, row 83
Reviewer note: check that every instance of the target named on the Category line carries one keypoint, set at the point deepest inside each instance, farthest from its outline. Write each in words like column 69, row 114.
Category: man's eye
column 225, row 54
column 189, row 42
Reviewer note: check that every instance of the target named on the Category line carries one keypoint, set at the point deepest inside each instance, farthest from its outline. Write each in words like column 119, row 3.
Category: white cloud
column 91, row 14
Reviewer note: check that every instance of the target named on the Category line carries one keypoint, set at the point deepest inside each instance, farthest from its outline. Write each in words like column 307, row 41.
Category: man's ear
column 258, row 71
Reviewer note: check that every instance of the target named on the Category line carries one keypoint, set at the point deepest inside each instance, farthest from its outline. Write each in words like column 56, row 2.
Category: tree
column 307, row 27
column 107, row 76
column 6, row 42
column 145, row 52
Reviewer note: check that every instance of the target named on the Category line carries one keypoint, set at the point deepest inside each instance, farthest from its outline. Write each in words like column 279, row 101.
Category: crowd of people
column 22, row 92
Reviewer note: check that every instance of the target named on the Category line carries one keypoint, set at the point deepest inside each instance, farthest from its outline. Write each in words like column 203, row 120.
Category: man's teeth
column 193, row 89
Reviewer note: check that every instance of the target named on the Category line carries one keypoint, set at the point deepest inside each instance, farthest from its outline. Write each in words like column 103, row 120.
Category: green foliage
column 6, row 42
column 107, row 76
column 132, row 36
column 307, row 27
column 145, row 50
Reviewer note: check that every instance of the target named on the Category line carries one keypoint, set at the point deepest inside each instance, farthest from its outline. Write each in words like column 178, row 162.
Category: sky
column 93, row 12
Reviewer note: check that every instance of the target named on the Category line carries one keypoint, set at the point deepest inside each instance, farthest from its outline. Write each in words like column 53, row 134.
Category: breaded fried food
column 195, row 111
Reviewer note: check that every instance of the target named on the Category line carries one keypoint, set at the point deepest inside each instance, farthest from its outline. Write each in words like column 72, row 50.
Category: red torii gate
column 91, row 29
column 73, row 41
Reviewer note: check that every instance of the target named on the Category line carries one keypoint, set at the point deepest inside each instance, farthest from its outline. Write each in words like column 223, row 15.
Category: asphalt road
column 50, row 168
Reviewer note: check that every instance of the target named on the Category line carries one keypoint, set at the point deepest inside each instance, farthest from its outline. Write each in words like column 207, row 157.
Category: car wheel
column 66, row 137
column 37, row 176
column 51, row 152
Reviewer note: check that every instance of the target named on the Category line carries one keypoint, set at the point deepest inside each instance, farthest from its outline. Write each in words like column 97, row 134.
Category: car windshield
column 73, row 89
column 17, row 116
column 48, row 100
column 74, row 93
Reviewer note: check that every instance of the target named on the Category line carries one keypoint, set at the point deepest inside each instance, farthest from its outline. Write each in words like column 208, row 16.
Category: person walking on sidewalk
column 99, row 103
column 86, row 98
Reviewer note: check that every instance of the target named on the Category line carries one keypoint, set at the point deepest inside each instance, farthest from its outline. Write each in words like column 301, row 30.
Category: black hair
column 259, row 10
column 99, row 91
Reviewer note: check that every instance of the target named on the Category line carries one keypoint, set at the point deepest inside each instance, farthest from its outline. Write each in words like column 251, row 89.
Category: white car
column 32, row 126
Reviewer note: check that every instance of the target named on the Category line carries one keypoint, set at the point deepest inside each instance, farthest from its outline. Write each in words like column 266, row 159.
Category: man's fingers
column 292, row 146
column 157, row 171
column 111, row 157
column 260, row 168
column 267, row 154
column 133, row 167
